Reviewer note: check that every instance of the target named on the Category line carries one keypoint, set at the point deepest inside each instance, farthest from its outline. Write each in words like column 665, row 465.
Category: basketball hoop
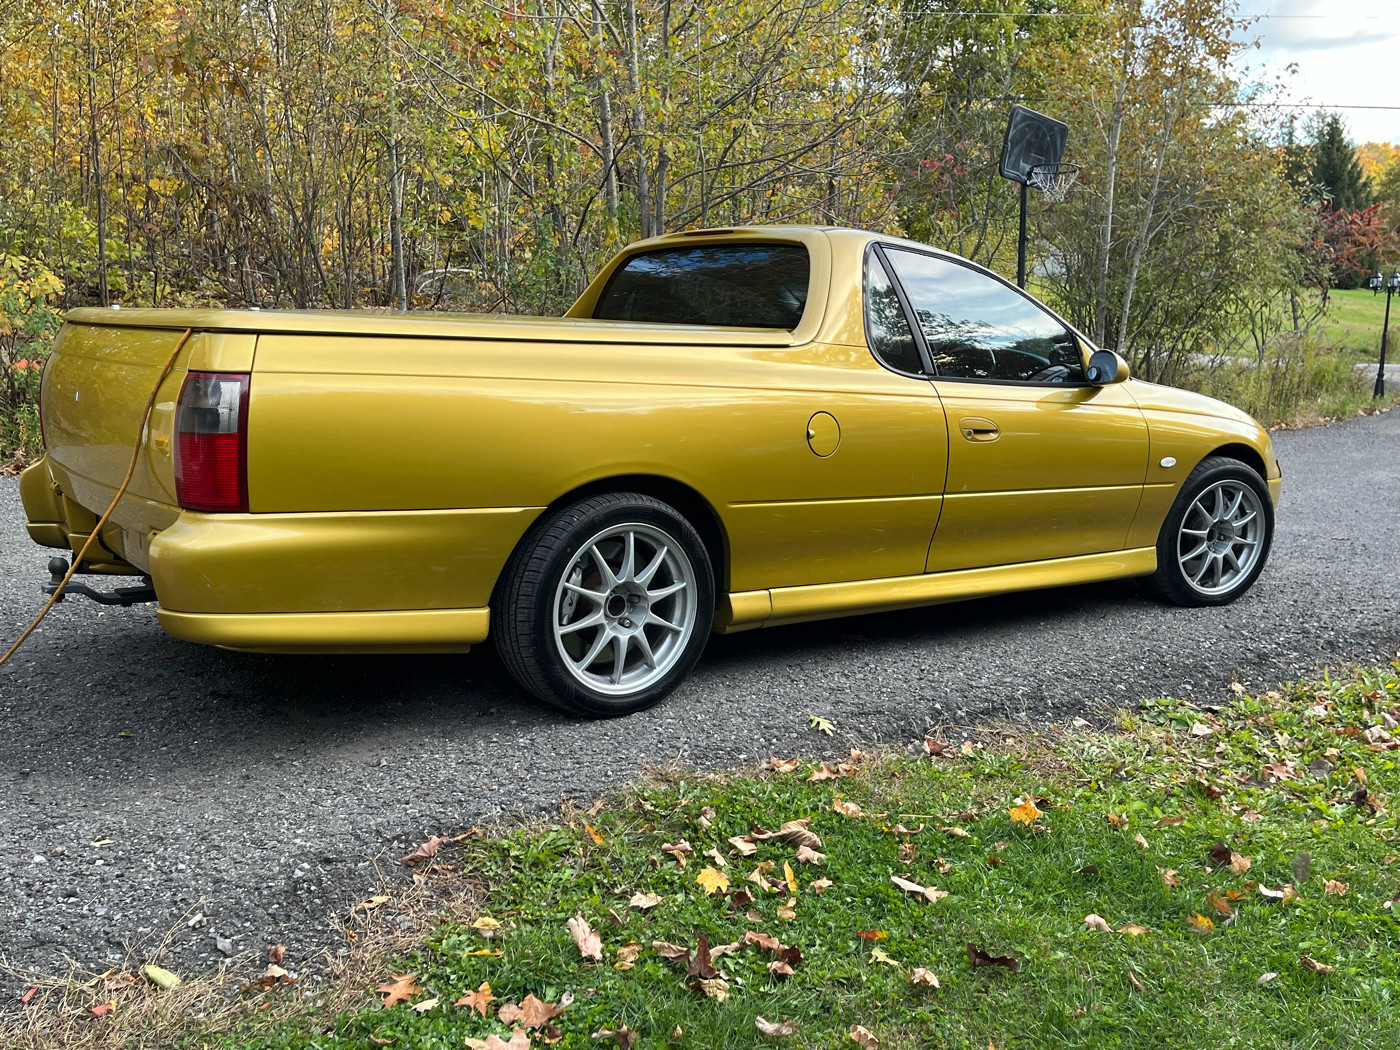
column 1053, row 180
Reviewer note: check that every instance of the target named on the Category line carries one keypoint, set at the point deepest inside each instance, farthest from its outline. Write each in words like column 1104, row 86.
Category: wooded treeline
column 491, row 154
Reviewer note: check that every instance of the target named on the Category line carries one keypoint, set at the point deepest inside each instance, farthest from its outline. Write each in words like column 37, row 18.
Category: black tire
column 1173, row 582
column 532, row 596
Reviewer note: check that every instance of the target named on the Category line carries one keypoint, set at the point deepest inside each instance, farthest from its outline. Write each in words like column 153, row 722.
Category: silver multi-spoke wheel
column 1221, row 537
column 625, row 609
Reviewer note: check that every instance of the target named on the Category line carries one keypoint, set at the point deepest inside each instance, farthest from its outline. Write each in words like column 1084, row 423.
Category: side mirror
column 1106, row 367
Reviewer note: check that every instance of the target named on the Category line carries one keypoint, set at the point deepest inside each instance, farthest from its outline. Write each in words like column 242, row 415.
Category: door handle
column 975, row 428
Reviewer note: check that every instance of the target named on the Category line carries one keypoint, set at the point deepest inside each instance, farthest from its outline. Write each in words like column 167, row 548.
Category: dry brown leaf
column 925, row 977
column 864, row 1037
column 716, row 988
column 1238, row 864
column 479, row 1000
column 929, row 893
column 627, row 956
column 822, row 772
column 590, row 945
column 744, row 845
column 1094, row 921
column 1284, row 894
column 424, row 1006
column 1140, row 842
column 427, row 851
column 1133, row 979
column 1307, row 962
column 788, row 910
column 645, row 900
column 778, row 968
column 781, row 765
column 399, row 989
column 624, row 1037
column 276, row 954
column 678, row 850
column 777, row 1029
column 977, row 957
column 846, row 809
column 1336, row 889
column 1169, row 878
column 1117, row 821
column 700, row 964
column 1132, row 929
column 957, row 833
column 793, row 832
column 717, row 857
column 1167, row 822
column 673, row 952
column 820, row 886
column 1219, row 903
column 807, row 855
column 273, row 977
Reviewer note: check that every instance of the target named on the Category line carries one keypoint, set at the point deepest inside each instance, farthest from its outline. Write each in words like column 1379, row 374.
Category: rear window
column 740, row 285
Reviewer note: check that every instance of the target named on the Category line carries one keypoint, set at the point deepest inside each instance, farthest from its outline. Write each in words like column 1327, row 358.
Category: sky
column 1347, row 54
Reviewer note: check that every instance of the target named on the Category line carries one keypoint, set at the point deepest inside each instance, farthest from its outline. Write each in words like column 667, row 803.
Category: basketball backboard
column 1032, row 139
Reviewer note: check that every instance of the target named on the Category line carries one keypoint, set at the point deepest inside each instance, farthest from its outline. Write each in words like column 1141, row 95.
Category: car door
column 1041, row 464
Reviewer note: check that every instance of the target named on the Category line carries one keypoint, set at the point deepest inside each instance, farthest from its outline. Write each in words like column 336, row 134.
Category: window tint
column 978, row 328
column 886, row 327
column 745, row 285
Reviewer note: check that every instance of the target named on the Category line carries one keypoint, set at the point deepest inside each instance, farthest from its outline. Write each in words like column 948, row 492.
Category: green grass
column 1353, row 322
column 1181, row 791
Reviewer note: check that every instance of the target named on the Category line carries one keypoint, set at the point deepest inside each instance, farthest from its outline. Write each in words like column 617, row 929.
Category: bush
column 28, row 322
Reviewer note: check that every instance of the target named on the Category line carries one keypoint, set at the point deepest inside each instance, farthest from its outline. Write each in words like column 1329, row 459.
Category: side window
column 886, row 328
column 739, row 285
column 978, row 328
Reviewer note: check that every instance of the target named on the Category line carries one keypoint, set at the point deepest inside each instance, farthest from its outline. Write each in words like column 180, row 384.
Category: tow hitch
column 58, row 568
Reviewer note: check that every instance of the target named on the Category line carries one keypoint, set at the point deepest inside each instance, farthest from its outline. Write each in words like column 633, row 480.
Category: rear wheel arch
column 691, row 505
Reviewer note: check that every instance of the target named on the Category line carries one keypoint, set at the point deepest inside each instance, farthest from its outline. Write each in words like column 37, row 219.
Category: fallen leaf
column 846, row 809
column 700, row 964
column 1097, row 922
column 1132, row 929
column 1238, row 864
column 1133, row 980
column 717, row 857
column 1140, row 842
column 978, row 957
column 879, row 955
column 160, row 976
column 1219, row 903
column 707, row 816
column 427, row 851
column 1336, row 889
column 1265, row 978
column 872, row 935
column 744, row 845
column 273, row 977
column 715, row 988
column 1200, row 729
column 957, row 833
column 929, row 893
column 678, row 850
column 372, row 903
column 712, row 881
column 925, row 977
column 594, row 834
column 627, row 956
column 822, row 772
column 782, row 765
column 1307, row 962
column 552, row 1035
column 820, row 886
column 486, row 926
column 645, row 900
column 1199, row 923
column 1169, row 878
column 1117, row 821
column 933, row 747
column 277, row 953
column 478, row 1001
column 1167, row 822
column 788, row 910
column 424, row 1006
column 590, row 945
column 670, row 951
column 102, row 1009
column 793, row 832
column 807, row 855
column 399, row 989
column 864, row 1038
column 1284, row 894
column 777, row 1029
column 779, row 968
column 624, row 1037
column 1026, row 812
column 790, row 877
column 821, row 725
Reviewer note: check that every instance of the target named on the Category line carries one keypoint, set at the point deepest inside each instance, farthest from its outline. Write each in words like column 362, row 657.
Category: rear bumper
column 413, row 631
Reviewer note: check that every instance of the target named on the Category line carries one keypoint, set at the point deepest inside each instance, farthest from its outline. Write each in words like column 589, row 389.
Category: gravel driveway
column 143, row 779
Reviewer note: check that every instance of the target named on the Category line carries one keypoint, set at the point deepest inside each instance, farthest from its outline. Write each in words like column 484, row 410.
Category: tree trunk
column 639, row 120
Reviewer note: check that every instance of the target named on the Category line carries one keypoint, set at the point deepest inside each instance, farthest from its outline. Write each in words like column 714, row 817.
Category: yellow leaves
column 1199, row 923
column 627, row 956
column 712, row 881
column 594, row 834
column 1026, row 812
column 791, row 878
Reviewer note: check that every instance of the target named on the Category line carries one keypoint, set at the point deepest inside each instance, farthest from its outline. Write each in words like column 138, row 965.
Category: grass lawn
column 1353, row 324
column 1191, row 877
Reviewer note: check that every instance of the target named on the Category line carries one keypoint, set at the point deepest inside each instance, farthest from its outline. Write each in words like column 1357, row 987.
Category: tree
column 1335, row 169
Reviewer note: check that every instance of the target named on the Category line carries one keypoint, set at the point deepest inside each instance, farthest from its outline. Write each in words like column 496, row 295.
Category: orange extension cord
column 130, row 472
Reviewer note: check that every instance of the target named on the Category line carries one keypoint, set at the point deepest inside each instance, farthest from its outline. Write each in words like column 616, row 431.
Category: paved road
column 259, row 790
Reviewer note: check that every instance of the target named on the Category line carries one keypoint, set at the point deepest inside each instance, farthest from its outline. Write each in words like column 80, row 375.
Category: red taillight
column 211, row 442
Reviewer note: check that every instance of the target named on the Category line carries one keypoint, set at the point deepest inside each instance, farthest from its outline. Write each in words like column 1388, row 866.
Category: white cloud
column 1344, row 55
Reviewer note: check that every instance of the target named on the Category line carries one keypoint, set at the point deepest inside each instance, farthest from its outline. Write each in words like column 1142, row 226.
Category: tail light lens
column 211, row 442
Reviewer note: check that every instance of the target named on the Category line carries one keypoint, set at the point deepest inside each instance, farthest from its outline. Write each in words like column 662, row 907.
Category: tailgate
column 95, row 389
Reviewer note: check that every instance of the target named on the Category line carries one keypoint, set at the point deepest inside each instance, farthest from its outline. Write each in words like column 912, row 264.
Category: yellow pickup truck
column 730, row 429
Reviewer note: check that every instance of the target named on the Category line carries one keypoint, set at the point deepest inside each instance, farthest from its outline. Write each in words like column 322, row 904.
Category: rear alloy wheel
column 607, row 605
column 1216, row 538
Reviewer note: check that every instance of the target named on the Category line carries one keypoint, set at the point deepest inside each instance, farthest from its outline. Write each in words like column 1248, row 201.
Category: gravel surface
column 144, row 780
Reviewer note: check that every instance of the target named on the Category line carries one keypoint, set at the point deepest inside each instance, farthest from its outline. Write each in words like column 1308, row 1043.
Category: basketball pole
column 1021, row 243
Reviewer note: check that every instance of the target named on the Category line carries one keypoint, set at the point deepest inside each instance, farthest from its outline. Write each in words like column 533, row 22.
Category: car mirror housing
column 1106, row 367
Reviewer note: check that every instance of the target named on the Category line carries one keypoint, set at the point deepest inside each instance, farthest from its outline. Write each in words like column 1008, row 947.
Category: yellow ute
column 730, row 429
